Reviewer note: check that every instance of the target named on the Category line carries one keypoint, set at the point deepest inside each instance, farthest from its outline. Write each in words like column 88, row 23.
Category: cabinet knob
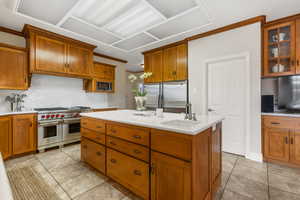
column 136, row 151
column 113, row 161
column 275, row 123
column 112, row 143
column 286, row 140
column 152, row 168
column 137, row 136
column 292, row 140
column 113, row 130
column 84, row 123
column 137, row 172
column 298, row 63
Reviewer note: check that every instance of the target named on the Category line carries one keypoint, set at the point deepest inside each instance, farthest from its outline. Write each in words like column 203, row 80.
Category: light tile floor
column 242, row 179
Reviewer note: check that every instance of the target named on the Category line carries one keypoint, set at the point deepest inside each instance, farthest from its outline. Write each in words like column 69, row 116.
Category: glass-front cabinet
column 279, row 50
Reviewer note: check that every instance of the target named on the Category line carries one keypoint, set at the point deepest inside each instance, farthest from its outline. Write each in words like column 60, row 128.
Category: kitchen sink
column 182, row 123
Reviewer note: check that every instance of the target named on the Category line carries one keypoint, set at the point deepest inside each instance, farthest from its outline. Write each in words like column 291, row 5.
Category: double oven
column 58, row 127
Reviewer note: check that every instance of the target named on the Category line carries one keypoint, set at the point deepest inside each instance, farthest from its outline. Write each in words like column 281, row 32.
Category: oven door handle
column 71, row 121
column 48, row 124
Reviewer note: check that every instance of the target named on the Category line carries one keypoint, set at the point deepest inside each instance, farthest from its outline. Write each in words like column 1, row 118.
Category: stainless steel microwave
column 106, row 86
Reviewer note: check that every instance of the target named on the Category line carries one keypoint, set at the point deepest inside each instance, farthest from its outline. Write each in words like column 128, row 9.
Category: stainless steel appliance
column 104, row 86
column 289, row 93
column 171, row 96
column 58, row 126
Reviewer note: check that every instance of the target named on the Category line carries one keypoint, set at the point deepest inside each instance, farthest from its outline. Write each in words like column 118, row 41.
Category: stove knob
column 62, row 116
column 57, row 116
column 47, row 116
column 52, row 116
column 43, row 116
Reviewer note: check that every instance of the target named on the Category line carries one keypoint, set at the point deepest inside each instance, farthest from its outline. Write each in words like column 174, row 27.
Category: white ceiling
column 125, row 28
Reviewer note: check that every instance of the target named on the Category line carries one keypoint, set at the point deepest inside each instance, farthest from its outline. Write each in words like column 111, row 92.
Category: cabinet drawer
column 93, row 124
column 133, row 134
column 131, row 173
column 278, row 122
column 134, row 150
column 92, row 135
column 93, row 154
column 177, row 145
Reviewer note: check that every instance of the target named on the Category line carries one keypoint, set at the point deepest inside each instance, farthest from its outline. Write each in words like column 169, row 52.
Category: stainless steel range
column 58, row 126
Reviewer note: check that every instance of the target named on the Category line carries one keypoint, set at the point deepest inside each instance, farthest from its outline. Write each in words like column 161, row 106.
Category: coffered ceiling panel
column 135, row 42
column 82, row 28
column 50, row 11
column 174, row 7
column 181, row 24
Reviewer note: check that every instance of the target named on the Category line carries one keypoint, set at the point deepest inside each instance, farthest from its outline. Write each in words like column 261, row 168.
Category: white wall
column 48, row 91
column 246, row 39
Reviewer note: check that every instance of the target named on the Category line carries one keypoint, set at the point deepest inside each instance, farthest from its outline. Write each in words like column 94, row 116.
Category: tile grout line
column 221, row 197
column 54, row 177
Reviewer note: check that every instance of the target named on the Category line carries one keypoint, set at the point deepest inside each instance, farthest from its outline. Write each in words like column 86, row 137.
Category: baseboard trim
column 254, row 156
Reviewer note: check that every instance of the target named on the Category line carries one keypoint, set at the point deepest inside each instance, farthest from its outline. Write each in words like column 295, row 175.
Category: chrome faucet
column 189, row 115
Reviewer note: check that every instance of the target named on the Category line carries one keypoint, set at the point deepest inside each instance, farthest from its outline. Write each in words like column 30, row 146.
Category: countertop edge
column 18, row 113
column 281, row 114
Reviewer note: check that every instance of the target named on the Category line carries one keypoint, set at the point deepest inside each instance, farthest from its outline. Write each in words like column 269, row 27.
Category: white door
column 227, row 96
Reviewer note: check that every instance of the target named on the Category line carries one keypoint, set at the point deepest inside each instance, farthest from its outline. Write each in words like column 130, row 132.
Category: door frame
column 246, row 57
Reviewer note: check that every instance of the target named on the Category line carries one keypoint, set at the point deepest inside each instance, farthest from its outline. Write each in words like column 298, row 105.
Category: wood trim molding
column 11, row 31
column 282, row 20
column 12, row 47
column 166, row 46
column 109, row 57
column 100, row 63
column 246, row 22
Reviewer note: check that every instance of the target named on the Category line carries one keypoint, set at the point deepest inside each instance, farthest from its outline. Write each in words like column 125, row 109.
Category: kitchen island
column 157, row 158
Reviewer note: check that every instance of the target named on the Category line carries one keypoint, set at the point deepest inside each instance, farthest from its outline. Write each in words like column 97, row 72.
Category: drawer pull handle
column 112, row 143
column 137, row 136
column 292, row 141
column 99, row 153
column 99, row 127
column 137, row 172
column 113, row 161
column 137, row 151
column 152, row 168
column 113, row 130
column 286, row 140
column 84, row 123
column 275, row 123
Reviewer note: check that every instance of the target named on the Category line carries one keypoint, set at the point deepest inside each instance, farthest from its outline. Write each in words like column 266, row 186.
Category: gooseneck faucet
column 189, row 115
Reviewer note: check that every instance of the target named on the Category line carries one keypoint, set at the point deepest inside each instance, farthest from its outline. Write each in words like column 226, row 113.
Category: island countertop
column 149, row 120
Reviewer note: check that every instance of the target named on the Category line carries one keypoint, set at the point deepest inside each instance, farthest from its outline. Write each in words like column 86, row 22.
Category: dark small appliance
column 267, row 103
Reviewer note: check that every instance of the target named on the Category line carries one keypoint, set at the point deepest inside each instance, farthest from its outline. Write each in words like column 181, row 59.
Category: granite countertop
column 5, row 190
column 282, row 114
column 17, row 113
column 152, row 121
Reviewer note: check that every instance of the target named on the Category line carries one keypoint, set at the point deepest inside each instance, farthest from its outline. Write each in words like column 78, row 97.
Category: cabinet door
column 295, row 147
column 216, row 140
column 276, row 143
column 157, row 66
column 170, row 178
column 5, row 137
column 13, row 69
column 170, row 64
column 148, row 67
column 95, row 155
column 51, row 55
column 83, row 149
column 279, row 50
column 109, row 72
column 80, row 60
column 24, row 134
column 131, row 173
column 182, row 62
column 298, row 46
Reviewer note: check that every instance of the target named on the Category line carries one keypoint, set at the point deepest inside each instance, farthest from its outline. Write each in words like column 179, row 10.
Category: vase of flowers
column 139, row 91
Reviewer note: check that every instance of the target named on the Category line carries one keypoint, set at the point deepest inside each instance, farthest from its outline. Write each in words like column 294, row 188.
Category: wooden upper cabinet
column 182, row 62
column 298, row 46
column 13, row 68
column 50, row 54
column 170, row 178
column 276, row 143
column 295, row 147
column 5, row 137
column 103, row 71
column 55, row 54
column 280, row 49
column 80, row 60
column 170, row 64
column 24, row 134
column 154, row 64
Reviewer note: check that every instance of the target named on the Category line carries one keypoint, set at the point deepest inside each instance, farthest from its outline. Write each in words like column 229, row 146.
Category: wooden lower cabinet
column 131, row 173
column 24, row 134
column 170, row 178
column 93, row 154
column 216, row 157
column 295, row 147
column 5, row 137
